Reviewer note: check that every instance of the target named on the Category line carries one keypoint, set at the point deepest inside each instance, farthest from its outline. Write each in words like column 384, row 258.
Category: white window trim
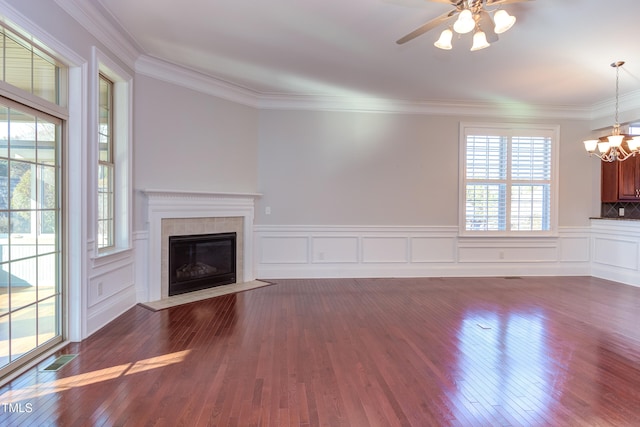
column 123, row 150
column 509, row 128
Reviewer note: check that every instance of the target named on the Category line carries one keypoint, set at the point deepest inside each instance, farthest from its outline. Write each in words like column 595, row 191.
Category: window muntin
column 507, row 183
column 106, row 166
column 112, row 92
column 30, row 303
column 26, row 67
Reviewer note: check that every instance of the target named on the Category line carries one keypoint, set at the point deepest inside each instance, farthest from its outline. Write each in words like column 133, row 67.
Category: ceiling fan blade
column 486, row 24
column 426, row 27
column 495, row 2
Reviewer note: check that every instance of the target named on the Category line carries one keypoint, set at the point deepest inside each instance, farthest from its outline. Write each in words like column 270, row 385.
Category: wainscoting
column 352, row 251
column 615, row 250
column 609, row 249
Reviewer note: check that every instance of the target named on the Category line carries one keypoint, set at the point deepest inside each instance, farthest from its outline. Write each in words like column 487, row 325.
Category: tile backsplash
column 611, row 210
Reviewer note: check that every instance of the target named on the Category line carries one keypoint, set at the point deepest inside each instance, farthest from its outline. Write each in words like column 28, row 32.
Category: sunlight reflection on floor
column 93, row 377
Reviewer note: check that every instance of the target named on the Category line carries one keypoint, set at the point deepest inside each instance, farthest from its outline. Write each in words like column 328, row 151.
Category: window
column 106, row 166
column 28, row 68
column 31, row 291
column 113, row 153
column 508, row 180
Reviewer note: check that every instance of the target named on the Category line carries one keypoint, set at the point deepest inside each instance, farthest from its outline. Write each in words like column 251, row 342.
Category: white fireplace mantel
column 163, row 204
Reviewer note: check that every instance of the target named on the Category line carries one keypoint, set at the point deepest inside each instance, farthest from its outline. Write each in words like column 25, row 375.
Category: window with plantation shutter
column 508, row 180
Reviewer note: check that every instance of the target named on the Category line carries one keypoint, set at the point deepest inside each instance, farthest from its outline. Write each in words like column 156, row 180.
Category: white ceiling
column 557, row 53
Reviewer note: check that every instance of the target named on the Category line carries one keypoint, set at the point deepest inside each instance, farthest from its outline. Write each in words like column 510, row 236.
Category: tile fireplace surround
column 185, row 213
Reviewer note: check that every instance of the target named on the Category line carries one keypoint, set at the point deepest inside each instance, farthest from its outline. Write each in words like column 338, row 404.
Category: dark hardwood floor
column 544, row 351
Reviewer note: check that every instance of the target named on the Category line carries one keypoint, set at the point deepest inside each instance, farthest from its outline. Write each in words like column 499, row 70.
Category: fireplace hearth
column 201, row 261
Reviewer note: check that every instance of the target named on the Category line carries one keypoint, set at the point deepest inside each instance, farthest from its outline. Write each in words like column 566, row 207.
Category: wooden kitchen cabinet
column 621, row 181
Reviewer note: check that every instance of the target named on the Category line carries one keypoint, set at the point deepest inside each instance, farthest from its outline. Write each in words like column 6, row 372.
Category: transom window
column 508, row 180
column 28, row 68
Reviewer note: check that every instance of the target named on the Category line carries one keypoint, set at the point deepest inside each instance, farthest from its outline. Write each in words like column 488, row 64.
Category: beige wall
column 347, row 168
column 187, row 140
column 324, row 168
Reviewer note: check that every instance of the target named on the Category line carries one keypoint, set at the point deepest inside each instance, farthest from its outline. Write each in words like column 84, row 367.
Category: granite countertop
column 619, row 218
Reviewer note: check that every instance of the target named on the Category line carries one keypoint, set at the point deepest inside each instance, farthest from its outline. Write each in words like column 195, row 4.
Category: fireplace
column 201, row 261
column 177, row 213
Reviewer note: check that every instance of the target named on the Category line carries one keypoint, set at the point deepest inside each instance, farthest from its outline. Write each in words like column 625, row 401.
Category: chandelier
column 611, row 148
column 468, row 21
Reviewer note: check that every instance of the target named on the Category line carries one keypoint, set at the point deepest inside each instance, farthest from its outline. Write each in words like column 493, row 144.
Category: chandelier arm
column 625, row 154
column 621, row 153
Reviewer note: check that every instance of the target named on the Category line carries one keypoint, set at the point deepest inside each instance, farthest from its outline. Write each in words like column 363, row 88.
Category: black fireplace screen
column 201, row 261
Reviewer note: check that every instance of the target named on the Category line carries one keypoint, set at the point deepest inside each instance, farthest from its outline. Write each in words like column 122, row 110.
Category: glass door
column 30, row 284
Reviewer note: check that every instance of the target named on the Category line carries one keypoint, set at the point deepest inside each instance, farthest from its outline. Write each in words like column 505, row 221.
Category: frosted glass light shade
column 479, row 41
column 444, row 42
column 603, row 147
column 503, row 21
column 590, row 145
column 465, row 23
column 634, row 143
column 615, row 140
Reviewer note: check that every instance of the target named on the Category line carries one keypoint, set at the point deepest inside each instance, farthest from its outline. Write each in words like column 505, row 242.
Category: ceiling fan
column 472, row 16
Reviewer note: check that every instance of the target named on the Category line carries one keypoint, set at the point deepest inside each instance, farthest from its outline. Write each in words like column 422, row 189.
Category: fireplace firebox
column 201, row 261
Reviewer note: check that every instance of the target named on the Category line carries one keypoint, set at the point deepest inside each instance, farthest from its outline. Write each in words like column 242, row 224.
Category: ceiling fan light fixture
column 503, row 21
column 468, row 17
column 444, row 42
column 465, row 22
column 479, row 41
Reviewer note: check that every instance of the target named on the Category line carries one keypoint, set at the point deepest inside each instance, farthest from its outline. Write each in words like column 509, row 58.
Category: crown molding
column 603, row 113
column 179, row 75
column 441, row 108
column 87, row 15
column 182, row 76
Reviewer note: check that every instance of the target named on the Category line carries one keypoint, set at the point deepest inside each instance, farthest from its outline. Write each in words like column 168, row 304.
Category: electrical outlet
column 267, row 210
column 620, row 211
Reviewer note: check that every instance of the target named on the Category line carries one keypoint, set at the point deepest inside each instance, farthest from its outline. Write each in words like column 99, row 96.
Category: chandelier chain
column 617, row 89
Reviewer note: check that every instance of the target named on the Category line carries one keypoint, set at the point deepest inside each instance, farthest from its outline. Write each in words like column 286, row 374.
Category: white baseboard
column 108, row 309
